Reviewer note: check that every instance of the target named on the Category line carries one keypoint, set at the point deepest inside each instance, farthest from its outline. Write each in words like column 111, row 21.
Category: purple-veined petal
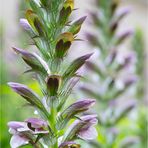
column 83, row 124
column 36, row 122
column 15, row 124
column 15, row 127
column 37, row 126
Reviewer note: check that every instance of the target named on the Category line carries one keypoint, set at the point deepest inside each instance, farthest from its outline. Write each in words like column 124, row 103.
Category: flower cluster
column 50, row 30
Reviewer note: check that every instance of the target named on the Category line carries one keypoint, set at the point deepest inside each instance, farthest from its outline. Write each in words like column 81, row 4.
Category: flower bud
column 69, row 3
column 63, row 44
column 66, row 11
column 69, row 144
column 38, row 26
column 79, row 106
column 34, row 22
column 114, row 5
column 53, row 84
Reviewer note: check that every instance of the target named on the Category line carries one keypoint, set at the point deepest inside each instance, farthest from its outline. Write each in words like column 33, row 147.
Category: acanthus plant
column 47, row 23
column 113, row 73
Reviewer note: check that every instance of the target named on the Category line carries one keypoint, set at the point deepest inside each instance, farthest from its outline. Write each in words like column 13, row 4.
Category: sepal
column 28, row 95
column 76, row 26
column 75, row 65
column 33, row 60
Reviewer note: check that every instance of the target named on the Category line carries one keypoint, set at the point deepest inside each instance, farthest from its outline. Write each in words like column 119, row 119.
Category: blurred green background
column 12, row 67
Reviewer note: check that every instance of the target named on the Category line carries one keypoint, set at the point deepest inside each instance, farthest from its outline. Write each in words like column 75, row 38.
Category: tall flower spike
column 47, row 23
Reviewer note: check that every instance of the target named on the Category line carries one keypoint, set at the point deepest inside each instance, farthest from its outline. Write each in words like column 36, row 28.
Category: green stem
column 53, row 123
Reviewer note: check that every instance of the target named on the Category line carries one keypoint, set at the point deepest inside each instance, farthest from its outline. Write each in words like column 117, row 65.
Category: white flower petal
column 88, row 134
column 17, row 141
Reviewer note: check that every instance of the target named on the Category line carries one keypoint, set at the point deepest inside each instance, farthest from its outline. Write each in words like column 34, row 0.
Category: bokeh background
column 12, row 66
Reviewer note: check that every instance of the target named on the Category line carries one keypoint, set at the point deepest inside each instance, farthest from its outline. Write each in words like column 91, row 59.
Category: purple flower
column 24, row 132
column 17, row 129
column 37, row 125
column 75, row 108
column 18, row 140
column 69, row 144
column 83, row 128
column 79, row 106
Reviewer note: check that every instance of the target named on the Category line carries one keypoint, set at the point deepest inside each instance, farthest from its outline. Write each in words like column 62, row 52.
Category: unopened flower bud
column 34, row 22
column 69, row 144
column 63, row 44
column 66, row 11
column 53, row 84
column 79, row 106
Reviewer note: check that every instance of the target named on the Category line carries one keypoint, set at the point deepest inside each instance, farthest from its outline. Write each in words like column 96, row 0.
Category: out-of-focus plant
column 51, row 31
column 138, row 46
column 142, row 120
column 113, row 75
